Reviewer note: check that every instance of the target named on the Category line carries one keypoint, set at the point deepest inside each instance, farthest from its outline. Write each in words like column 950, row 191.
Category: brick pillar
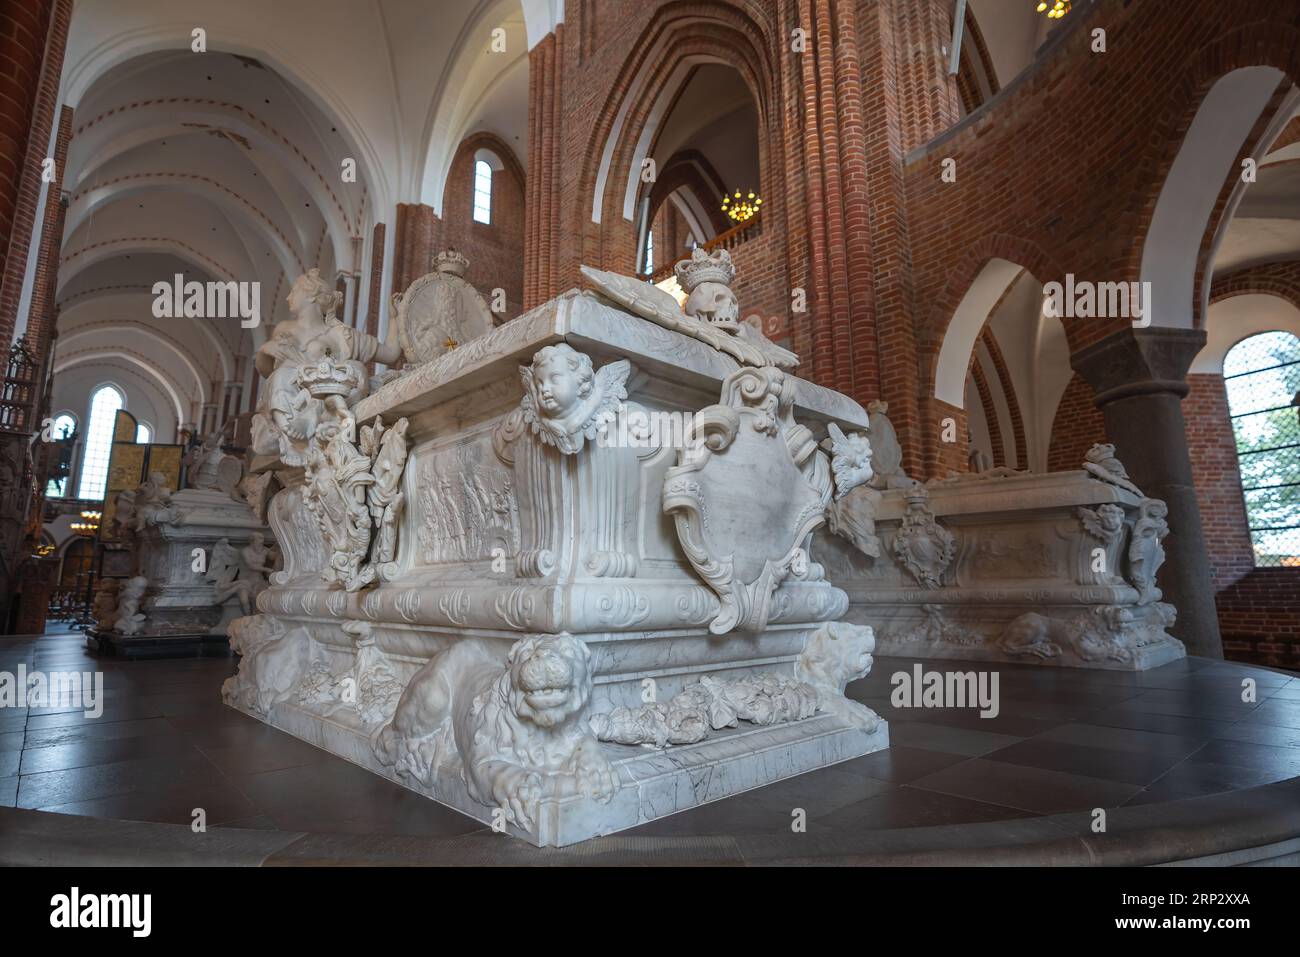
column 927, row 94
column 1139, row 377
column 33, row 34
column 542, row 191
column 415, row 243
column 42, row 314
column 371, row 324
column 907, row 99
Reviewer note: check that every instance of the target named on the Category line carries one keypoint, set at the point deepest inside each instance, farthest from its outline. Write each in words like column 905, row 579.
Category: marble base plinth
column 653, row 783
column 191, row 645
column 1140, row 659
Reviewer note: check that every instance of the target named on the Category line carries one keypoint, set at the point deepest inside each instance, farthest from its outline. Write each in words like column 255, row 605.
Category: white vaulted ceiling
column 228, row 164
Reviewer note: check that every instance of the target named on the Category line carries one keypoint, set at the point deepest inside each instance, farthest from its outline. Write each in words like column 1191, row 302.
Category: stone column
column 1138, row 377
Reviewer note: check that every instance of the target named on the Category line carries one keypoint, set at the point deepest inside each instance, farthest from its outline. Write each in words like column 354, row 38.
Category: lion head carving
column 549, row 679
column 837, row 653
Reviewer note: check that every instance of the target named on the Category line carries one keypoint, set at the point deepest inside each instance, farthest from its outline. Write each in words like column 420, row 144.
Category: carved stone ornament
column 1101, row 463
column 240, row 573
column 288, row 411
column 743, row 546
column 516, row 730
column 130, row 619
column 153, row 503
column 1145, row 552
column 1107, row 632
column 439, row 311
column 836, row 654
column 921, row 545
column 274, row 660
column 850, row 460
column 105, row 607
column 1104, row 523
column 371, row 687
column 566, row 402
column 886, row 452
column 853, row 518
column 353, row 490
column 745, row 344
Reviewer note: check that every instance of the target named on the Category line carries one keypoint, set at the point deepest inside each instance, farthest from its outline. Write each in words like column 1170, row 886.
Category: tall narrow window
column 144, row 433
column 650, row 251
column 99, row 442
column 482, row 192
column 63, row 428
column 1262, row 376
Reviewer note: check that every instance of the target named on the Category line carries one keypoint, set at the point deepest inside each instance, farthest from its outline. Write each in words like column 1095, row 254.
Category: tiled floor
column 1065, row 740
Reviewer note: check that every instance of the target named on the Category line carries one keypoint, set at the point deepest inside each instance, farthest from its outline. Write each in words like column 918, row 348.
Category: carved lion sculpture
column 274, row 660
column 836, row 654
column 519, row 727
column 1099, row 634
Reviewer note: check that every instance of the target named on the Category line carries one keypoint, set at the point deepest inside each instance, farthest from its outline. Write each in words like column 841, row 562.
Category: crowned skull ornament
column 706, row 278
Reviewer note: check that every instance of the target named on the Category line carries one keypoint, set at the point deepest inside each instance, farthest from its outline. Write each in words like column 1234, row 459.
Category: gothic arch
column 1164, row 231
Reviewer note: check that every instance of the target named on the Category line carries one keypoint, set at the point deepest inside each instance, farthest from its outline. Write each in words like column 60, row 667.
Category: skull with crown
column 706, row 278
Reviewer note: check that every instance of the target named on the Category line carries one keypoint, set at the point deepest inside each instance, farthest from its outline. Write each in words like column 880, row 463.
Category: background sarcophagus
column 1056, row 568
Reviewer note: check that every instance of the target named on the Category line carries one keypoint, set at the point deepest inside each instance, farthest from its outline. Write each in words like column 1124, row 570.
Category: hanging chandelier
column 1055, row 10
column 741, row 208
column 89, row 524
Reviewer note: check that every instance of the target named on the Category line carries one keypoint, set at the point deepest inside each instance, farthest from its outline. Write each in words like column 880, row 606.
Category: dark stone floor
column 1066, row 740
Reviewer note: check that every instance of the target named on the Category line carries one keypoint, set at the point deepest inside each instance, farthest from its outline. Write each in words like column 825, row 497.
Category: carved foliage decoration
column 835, row 654
column 743, row 544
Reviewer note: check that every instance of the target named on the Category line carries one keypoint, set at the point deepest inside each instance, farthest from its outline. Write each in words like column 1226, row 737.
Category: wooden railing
column 729, row 240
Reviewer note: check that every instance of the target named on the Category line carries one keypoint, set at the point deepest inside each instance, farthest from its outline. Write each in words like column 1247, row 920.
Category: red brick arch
column 1262, row 43
column 678, row 32
column 495, row 250
column 1281, row 279
column 933, row 331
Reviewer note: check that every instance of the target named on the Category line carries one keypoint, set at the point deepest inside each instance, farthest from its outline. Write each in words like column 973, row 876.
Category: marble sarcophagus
column 1056, row 568
column 556, row 573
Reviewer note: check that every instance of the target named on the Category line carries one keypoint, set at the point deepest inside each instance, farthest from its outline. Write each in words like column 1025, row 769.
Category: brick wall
column 1259, row 617
column 495, row 250
column 24, row 130
column 1259, row 608
column 1078, row 426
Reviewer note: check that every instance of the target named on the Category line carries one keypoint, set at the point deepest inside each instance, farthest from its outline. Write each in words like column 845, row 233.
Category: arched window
column 144, row 433
column 1262, row 376
column 649, row 251
column 99, row 442
column 62, row 428
column 482, row 191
